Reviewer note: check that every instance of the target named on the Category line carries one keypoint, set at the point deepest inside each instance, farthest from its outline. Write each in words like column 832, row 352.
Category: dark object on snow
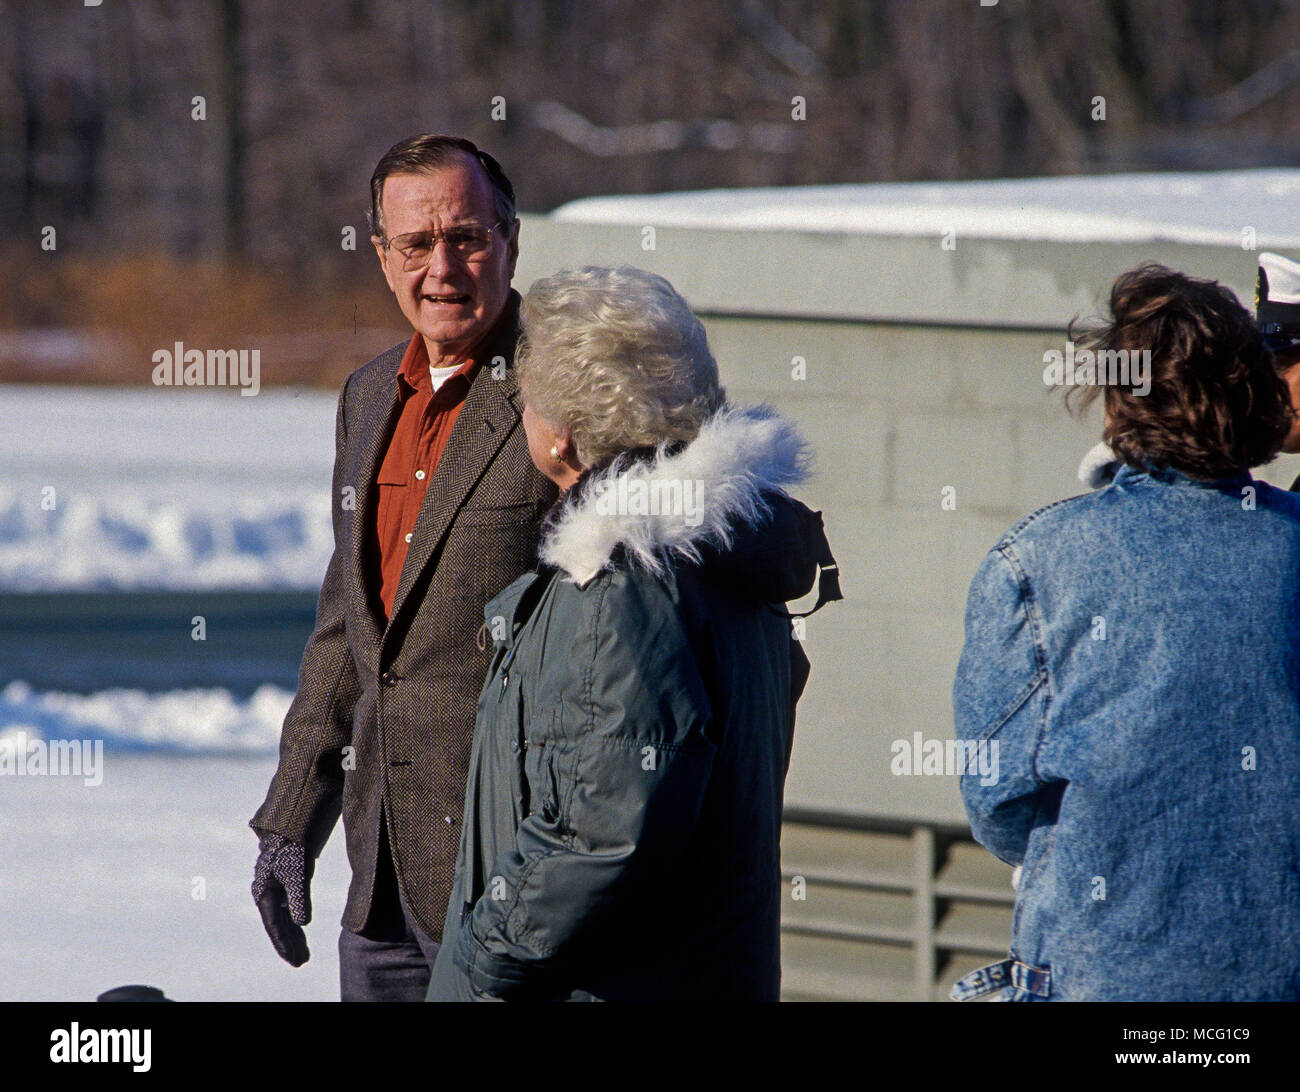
column 134, row 993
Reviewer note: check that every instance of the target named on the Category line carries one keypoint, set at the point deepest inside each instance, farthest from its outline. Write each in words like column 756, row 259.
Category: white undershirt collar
column 438, row 376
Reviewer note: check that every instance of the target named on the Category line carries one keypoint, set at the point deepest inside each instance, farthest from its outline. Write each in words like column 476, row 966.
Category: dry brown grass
column 309, row 329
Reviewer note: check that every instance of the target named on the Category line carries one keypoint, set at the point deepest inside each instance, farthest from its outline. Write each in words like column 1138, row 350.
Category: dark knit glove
column 281, row 889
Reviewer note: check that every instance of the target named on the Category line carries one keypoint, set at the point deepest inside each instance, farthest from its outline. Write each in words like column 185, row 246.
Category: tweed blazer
column 384, row 713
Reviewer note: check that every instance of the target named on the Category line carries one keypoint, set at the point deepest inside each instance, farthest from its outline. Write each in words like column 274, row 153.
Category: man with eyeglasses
column 436, row 508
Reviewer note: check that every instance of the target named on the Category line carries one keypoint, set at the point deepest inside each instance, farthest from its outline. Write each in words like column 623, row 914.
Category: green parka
column 622, row 821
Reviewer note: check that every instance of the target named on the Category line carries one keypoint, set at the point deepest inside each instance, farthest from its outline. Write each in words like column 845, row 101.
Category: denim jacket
column 1134, row 656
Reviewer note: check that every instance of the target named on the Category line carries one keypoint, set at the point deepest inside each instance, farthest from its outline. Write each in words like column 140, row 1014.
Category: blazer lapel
column 485, row 421
column 382, row 408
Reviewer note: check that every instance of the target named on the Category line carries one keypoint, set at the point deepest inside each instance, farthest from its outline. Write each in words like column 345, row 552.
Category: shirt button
column 408, row 538
column 419, row 475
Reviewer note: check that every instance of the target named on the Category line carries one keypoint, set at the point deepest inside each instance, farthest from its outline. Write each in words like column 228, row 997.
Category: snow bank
column 1211, row 208
column 179, row 722
column 141, row 488
column 126, row 538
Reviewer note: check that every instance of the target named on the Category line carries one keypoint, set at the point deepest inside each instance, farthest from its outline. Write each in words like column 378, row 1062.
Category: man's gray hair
column 617, row 357
column 427, row 152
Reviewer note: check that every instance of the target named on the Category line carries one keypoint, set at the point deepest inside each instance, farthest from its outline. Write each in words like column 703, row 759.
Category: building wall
column 923, row 372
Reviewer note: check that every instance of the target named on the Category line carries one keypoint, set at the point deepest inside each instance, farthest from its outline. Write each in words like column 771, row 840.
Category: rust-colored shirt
column 423, row 427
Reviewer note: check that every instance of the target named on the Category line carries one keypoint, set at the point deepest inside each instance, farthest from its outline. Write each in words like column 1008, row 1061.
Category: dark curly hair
column 1216, row 405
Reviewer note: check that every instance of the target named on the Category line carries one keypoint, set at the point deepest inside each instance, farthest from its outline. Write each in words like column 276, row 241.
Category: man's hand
column 281, row 889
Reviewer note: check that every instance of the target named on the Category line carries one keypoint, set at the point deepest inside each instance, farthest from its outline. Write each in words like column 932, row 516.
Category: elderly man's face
column 1291, row 376
column 452, row 301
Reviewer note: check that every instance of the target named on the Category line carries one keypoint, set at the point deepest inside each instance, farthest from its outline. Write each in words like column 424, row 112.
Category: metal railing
column 884, row 909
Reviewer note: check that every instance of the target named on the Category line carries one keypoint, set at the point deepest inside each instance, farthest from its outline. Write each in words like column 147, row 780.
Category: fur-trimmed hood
column 712, row 499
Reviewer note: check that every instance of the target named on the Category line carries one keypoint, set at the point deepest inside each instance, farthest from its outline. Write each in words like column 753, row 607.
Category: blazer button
column 388, row 678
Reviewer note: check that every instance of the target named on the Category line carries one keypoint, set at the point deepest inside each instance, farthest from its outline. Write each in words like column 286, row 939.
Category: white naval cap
column 1277, row 301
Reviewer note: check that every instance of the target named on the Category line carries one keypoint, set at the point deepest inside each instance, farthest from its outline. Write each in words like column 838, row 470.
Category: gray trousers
column 391, row 959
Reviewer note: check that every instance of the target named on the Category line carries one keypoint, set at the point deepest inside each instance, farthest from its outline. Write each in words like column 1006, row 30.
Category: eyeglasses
column 466, row 241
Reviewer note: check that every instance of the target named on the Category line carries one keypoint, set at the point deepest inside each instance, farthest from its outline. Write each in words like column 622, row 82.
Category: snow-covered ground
column 145, row 879
column 105, row 488
column 145, row 876
column 1213, row 208
column 192, row 488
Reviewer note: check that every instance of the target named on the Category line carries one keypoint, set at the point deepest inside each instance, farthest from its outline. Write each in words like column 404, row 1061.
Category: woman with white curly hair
column 621, row 835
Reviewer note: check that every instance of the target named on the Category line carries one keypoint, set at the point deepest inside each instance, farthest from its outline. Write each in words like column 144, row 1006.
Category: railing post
column 923, row 912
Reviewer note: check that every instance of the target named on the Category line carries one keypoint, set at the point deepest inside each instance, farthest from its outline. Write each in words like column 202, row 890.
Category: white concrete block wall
column 895, row 412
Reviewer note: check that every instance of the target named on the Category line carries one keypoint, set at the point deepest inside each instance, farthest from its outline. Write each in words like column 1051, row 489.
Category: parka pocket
column 539, row 772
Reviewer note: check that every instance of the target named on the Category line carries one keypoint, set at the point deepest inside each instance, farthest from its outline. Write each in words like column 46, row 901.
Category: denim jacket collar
column 1167, row 475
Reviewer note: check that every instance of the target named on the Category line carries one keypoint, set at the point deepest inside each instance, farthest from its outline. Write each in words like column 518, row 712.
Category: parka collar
column 673, row 503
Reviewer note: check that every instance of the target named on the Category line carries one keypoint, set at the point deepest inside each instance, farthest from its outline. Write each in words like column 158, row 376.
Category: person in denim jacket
column 1133, row 655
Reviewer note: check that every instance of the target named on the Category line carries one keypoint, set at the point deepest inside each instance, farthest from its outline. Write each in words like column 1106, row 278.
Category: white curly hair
column 618, row 357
